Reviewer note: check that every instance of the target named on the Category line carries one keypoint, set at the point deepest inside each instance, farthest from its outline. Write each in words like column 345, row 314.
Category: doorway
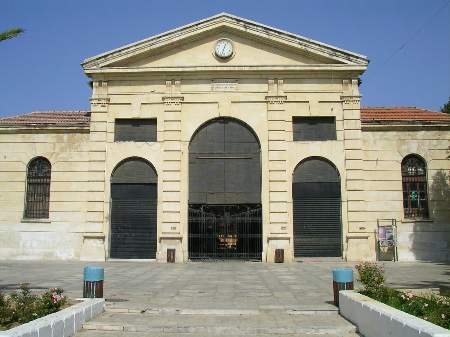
column 316, row 194
column 133, row 210
column 225, row 220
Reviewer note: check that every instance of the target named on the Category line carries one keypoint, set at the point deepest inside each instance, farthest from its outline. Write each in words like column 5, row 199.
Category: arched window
column 38, row 189
column 414, row 179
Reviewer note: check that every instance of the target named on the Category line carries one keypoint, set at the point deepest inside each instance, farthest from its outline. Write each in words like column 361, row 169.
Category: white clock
column 224, row 48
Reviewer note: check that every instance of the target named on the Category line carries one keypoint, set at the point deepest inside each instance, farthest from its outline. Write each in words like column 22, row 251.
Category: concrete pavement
column 214, row 298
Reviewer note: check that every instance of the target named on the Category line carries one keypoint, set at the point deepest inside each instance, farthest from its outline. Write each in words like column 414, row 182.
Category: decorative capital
column 100, row 102
column 351, row 99
column 173, row 100
column 275, row 87
column 276, row 99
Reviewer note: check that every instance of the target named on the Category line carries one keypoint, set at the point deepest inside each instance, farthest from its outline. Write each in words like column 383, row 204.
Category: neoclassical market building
column 224, row 139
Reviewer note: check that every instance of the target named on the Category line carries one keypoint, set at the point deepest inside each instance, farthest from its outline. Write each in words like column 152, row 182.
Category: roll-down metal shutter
column 134, row 211
column 317, row 210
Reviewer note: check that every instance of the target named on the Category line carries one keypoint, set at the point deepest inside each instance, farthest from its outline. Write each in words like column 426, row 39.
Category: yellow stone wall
column 61, row 236
column 384, row 149
column 82, row 161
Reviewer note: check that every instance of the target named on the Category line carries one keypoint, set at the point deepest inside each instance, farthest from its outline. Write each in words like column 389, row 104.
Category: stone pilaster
column 93, row 239
column 278, row 233
column 356, row 232
column 171, row 231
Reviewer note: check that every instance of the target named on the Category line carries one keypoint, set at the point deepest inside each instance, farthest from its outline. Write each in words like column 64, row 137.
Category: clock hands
column 224, row 49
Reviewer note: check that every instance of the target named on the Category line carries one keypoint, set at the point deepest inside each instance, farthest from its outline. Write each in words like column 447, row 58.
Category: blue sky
column 407, row 42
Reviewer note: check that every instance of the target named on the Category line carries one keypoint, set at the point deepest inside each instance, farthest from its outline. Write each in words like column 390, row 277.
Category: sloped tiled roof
column 401, row 114
column 48, row 118
column 369, row 115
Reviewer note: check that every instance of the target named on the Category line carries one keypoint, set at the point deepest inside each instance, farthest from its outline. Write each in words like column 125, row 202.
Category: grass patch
column 24, row 306
column 432, row 308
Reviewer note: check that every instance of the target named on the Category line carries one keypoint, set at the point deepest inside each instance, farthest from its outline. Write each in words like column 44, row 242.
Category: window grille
column 38, row 189
column 414, row 180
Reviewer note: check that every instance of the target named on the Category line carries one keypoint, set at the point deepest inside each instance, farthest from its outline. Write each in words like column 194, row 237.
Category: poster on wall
column 387, row 241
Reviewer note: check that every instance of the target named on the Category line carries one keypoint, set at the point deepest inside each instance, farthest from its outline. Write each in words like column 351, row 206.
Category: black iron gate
column 225, row 232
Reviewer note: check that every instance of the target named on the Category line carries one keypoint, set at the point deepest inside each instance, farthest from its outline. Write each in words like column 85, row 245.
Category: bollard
column 93, row 282
column 279, row 255
column 342, row 280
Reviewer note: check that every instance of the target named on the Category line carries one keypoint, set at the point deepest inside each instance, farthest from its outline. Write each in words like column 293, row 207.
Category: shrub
column 23, row 303
column 51, row 301
column 5, row 310
column 434, row 309
column 23, row 306
column 371, row 275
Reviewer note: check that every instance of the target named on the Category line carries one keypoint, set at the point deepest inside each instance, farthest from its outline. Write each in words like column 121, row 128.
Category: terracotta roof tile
column 48, row 118
column 368, row 115
column 401, row 114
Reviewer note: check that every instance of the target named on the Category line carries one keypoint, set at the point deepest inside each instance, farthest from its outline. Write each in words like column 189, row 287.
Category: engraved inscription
column 224, row 85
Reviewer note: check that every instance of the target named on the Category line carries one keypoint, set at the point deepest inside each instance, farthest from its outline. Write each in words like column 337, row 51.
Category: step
column 217, row 312
column 90, row 333
column 252, row 323
column 94, row 333
column 141, row 307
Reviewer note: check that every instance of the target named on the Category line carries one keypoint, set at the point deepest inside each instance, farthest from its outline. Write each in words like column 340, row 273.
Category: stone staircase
column 117, row 321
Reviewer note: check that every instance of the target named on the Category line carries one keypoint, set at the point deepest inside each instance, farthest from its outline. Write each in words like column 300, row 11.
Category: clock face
column 224, row 48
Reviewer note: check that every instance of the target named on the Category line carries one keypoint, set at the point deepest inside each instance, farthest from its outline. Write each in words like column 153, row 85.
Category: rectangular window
column 314, row 128
column 135, row 130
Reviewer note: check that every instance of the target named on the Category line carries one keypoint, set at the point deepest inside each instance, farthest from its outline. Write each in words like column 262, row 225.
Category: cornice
column 173, row 100
column 403, row 126
column 44, row 129
column 302, row 44
column 226, row 68
column 276, row 99
column 99, row 101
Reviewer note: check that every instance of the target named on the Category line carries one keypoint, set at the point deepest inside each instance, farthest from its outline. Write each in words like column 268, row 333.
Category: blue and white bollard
column 93, row 278
column 342, row 280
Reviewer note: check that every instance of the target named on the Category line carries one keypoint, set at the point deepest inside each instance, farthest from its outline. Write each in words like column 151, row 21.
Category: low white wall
column 375, row 319
column 63, row 323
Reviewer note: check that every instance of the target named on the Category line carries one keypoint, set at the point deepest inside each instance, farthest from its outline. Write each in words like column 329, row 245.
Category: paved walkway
column 214, row 299
column 219, row 285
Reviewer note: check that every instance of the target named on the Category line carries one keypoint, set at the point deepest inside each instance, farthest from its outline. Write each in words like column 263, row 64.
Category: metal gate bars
column 225, row 232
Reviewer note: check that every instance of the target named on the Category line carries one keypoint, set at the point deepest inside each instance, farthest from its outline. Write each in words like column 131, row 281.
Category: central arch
column 225, row 192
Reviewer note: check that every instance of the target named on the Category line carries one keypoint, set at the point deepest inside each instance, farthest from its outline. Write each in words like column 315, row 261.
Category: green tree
column 446, row 107
column 10, row 33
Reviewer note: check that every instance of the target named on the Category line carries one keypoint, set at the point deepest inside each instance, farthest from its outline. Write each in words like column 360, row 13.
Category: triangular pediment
column 193, row 46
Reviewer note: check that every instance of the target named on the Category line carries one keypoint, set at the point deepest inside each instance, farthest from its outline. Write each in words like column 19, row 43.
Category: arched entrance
column 316, row 194
column 133, row 210
column 224, row 192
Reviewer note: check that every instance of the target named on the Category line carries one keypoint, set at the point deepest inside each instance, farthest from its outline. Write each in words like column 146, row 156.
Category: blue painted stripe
column 94, row 274
column 343, row 275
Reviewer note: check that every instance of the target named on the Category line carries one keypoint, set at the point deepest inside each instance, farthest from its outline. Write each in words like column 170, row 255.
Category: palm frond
column 10, row 33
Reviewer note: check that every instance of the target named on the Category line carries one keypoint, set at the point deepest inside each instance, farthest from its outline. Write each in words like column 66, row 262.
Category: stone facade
column 384, row 147
column 175, row 77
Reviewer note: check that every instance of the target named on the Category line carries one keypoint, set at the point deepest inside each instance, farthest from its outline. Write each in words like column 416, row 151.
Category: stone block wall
column 384, row 149
column 59, row 237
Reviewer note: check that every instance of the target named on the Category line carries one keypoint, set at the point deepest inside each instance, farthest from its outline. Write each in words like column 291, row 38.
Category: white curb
column 376, row 319
column 63, row 323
